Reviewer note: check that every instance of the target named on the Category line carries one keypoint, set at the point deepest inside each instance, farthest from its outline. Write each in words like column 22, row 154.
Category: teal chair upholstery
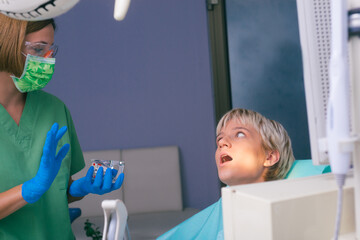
column 305, row 168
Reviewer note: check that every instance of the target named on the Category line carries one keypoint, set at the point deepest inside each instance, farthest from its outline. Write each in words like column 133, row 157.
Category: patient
column 250, row 149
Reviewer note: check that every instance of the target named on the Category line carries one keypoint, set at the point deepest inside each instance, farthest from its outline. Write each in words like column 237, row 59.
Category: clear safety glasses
column 40, row 49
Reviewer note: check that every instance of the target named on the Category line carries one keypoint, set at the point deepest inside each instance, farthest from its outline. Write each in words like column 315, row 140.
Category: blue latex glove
column 49, row 167
column 101, row 185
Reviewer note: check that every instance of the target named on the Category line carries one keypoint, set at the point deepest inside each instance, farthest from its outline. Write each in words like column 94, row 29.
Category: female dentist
column 37, row 157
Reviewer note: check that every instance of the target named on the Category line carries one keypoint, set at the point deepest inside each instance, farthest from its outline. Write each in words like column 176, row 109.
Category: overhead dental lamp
column 35, row 10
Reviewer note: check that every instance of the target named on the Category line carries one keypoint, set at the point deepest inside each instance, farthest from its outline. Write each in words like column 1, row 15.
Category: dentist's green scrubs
column 20, row 153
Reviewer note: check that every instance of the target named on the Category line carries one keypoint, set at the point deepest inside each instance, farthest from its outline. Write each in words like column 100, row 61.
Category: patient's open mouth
column 225, row 158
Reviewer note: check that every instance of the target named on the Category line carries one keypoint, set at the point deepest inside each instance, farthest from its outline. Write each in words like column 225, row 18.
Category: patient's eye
column 240, row 135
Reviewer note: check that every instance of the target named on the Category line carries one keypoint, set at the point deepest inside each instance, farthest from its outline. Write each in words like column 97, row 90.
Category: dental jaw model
column 118, row 166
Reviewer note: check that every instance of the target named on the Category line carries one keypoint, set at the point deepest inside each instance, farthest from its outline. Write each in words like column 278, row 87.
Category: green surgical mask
column 37, row 73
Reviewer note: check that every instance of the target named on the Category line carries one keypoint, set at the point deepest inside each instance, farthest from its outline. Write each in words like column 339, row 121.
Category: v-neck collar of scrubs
column 20, row 133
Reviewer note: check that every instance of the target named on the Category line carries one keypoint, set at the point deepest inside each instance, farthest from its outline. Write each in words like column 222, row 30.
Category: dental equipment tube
column 338, row 112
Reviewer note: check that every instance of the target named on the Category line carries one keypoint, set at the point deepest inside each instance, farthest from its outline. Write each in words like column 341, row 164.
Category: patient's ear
column 272, row 157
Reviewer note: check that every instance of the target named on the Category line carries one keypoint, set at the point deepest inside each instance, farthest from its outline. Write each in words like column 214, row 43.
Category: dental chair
column 305, row 168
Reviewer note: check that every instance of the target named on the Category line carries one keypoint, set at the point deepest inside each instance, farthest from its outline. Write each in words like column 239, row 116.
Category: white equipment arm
column 115, row 218
column 120, row 9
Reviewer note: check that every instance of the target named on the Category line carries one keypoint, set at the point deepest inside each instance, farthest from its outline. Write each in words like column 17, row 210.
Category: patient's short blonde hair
column 273, row 135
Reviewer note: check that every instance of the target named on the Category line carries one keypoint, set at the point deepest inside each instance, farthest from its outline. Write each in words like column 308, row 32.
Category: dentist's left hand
column 101, row 185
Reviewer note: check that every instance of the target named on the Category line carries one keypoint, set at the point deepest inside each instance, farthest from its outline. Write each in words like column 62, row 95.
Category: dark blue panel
column 266, row 65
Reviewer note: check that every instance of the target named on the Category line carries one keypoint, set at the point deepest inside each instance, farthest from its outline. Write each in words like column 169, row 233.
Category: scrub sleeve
column 20, row 153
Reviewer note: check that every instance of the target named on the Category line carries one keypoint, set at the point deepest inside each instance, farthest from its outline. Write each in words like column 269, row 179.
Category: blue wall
column 142, row 82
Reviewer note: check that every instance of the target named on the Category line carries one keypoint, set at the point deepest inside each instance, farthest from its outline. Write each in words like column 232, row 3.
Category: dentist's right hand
column 50, row 164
